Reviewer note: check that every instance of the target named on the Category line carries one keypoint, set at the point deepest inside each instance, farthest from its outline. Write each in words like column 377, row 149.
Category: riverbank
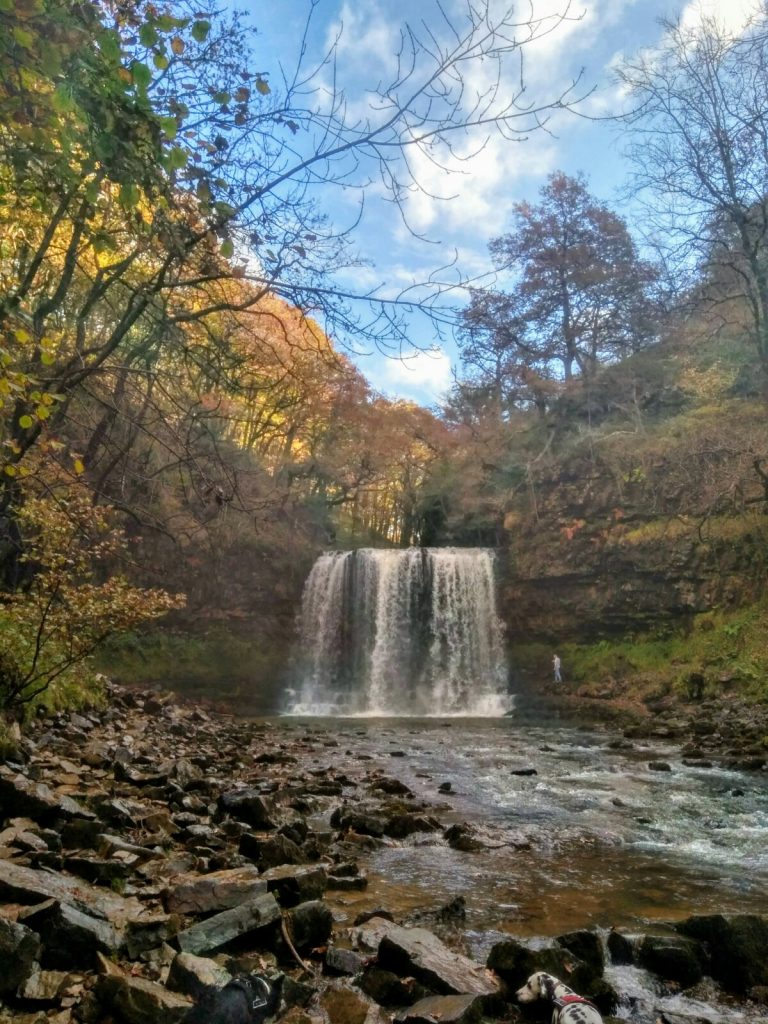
column 153, row 848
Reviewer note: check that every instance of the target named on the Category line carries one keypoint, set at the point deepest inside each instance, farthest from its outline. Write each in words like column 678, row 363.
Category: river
column 595, row 838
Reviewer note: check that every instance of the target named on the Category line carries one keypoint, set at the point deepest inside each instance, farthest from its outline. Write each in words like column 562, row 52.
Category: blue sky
column 480, row 195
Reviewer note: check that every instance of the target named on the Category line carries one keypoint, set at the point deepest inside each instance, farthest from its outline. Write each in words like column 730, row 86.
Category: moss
column 221, row 664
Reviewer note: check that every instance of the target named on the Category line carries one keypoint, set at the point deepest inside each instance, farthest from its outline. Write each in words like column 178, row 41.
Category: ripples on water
column 611, row 842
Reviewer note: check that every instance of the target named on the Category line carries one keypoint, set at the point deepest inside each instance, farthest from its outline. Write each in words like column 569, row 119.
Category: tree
column 580, row 296
column 147, row 172
column 698, row 134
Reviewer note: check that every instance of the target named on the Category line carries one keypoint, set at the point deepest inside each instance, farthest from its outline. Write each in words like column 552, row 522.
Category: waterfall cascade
column 410, row 632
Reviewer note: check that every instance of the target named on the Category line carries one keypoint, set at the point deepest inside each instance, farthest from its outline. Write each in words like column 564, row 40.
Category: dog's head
column 539, row 986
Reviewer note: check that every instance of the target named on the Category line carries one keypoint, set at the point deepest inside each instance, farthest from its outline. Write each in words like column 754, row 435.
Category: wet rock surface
column 152, row 851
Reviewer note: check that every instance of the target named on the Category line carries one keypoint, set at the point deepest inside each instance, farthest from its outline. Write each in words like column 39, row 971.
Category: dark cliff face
column 593, row 560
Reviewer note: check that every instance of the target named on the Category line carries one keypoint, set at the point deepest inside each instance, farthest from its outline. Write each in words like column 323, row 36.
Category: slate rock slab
column 219, row 890
column 19, row 949
column 35, row 800
column 463, row 1009
column 70, row 937
column 195, row 975
column 138, row 1001
column 248, row 805
column 20, row 884
column 420, row 954
column 294, row 884
column 222, row 928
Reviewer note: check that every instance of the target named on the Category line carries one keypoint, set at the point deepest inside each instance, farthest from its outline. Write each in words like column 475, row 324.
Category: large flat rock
column 138, row 1001
column 220, row 890
column 420, row 954
column 466, row 1009
column 20, row 796
column 20, row 884
column 220, row 929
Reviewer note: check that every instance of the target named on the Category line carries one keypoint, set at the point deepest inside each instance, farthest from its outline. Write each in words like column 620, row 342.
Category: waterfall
column 410, row 632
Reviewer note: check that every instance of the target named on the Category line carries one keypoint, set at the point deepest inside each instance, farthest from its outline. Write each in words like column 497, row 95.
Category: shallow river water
column 594, row 838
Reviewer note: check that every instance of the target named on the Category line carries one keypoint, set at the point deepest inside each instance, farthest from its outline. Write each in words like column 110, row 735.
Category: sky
column 478, row 198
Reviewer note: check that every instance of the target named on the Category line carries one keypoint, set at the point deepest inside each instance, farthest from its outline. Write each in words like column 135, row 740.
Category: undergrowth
column 727, row 648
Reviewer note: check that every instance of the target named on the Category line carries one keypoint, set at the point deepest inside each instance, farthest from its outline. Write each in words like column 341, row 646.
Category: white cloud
column 732, row 16
column 422, row 376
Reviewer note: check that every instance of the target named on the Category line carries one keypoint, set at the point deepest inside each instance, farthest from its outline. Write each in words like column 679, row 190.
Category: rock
column 672, row 957
column 355, row 883
column 149, row 932
column 43, row 986
column 387, row 989
column 523, row 771
column 98, row 870
column 445, row 787
column 19, row 949
column 219, row 890
column 515, row 962
column 344, row 1004
column 463, row 1009
column 340, row 961
column 70, row 937
column 20, row 884
column 20, row 796
column 417, row 952
column 195, row 975
column 133, row 1000
column 311, row 924
column 735, row 947
column 399, row 826
column 220, row 929
column 80, row 834
column 365, row 823
column 462, row 837
column 620, row 947
column 659, row 766
column 587, row 947
column 296, row 884
column 248, row 805
column 272, row 852
column 393, row 787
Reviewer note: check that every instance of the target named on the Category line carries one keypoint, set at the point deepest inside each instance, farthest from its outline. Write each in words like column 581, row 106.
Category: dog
column 568, row 1007
column 246, row 999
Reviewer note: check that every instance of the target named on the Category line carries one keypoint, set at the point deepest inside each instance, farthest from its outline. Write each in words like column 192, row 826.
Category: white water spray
column 411, row 632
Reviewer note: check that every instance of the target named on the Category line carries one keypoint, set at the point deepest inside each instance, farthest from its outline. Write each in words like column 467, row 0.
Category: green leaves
column 200, row 30
column 227, row 249
column 141, row 75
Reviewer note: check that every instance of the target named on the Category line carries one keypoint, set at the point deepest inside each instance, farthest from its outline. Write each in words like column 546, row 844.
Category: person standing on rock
column 556, row 667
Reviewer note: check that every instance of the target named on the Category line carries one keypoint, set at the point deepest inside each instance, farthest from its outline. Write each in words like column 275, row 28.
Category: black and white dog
column 568, row 1007
column 247, row 999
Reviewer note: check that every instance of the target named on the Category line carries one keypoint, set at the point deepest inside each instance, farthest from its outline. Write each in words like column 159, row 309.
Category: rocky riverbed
column 152, row 850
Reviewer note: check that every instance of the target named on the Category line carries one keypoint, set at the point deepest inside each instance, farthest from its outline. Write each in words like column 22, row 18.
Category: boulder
column 735, row 948
column 70, row 937
column 20, row 884
column 20, row 796
column 293, row 884
column 248, row 805
column 672, row 957
column 515, row 962
column 462, row 1009
column 587, row 947
column 344, row 1004
column 132, row 1000
column 271, row 852
column 43, row 986
column 19, row 949
column 620, row 948
column 339, row 961
column 387, row 989
column 311, row 924
column 219, row 890
column 194, row 975
column 149, row 932
column 399, row 826
column 420, row 954
column 220, row 929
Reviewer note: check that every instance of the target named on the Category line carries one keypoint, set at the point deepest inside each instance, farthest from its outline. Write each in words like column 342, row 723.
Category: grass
column 728, row 648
